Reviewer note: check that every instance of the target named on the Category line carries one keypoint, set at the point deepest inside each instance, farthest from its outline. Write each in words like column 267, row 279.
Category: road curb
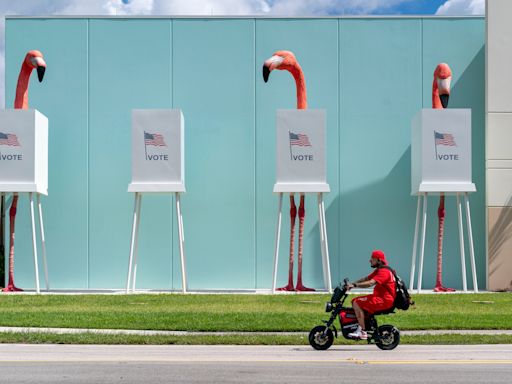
column 62, row 331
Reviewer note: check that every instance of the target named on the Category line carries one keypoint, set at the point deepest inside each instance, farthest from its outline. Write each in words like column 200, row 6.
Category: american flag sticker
column 155, row 139
column 9, row 139
column 444, row 139
column 299, row 139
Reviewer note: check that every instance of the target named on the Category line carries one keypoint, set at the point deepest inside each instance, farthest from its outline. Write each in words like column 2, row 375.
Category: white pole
column 34, row 245
column 415, row 244
column 132, row 243
column 461, row 245
column 471, row 247
column 422, row 246
column 130, row 258
column 136, row 242
column 278, row 235
column 43, row 242
column 323, row 243
column 329, row 283
column 321, row 229
column 182, row 243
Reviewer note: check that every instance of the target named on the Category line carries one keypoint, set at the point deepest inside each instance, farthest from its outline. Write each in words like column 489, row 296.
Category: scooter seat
column 385, row 312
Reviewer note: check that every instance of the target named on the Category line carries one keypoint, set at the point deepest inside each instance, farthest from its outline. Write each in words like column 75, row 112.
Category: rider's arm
column 364, row 283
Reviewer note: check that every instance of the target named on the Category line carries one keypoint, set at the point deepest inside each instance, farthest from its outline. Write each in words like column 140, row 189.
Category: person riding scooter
column 383, row 294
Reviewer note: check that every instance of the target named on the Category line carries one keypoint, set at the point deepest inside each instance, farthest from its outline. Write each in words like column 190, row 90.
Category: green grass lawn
column 249, row 313
column 241, row 312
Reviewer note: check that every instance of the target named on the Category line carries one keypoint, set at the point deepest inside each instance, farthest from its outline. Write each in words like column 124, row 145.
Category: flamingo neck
column 21, row 100
column 436, row 101
column 300, row 83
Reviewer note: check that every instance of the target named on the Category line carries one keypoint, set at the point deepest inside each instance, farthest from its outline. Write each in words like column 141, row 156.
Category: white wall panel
column 499, row 187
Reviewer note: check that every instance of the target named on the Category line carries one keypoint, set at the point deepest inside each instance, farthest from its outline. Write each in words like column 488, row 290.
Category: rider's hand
column 350, row 285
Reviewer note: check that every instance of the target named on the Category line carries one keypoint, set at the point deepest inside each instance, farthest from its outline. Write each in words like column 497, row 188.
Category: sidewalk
column 61, row 331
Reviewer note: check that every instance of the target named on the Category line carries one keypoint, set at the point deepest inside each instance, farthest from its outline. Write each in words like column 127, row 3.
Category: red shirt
column 385, row 287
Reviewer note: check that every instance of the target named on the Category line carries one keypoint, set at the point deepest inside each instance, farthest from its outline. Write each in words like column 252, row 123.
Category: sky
column 227, row 8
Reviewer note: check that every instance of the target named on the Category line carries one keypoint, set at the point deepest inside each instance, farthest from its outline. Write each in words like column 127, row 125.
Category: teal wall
column 370, row 74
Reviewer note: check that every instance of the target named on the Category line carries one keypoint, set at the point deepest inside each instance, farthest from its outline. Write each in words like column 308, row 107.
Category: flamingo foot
column 288, row 288
column 302, row 288
column 440, row 288
column 12, row 288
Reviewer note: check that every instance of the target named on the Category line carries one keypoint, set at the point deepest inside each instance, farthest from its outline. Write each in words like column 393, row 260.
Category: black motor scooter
column 321, row 337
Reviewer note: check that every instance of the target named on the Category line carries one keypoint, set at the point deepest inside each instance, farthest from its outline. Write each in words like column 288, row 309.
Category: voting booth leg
column 43, row 242
column 422, row 245
column 471, row 246
column 182, row 242
column 323, row 243
column 461, row 242
column 470, row 241
column 278, row 238
column 136, row 253
column 415, row 244
column 134, row 242
column 34, row 243
column 461, row 245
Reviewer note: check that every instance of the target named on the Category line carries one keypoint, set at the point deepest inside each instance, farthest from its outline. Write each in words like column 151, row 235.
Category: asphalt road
column 254, row 364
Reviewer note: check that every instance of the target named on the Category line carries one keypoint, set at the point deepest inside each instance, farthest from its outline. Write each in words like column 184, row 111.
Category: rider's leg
column 359, row 315
column 359, row 333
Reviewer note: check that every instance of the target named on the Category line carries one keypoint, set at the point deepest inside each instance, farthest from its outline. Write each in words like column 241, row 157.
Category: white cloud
column 462, row 7
column 272, row 7
column 210, row 7
column 332, row 7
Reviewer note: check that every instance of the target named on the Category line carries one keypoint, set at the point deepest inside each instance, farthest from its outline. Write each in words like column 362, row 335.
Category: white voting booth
column 441, row 163
column 301, row 168
column 24, row 166
column 158, row 166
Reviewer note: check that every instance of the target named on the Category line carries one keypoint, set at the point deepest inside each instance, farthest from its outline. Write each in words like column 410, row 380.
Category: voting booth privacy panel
column 441, row 151
column 229, row 206
column 300, row 151
column 158, row 163
column 23, row 151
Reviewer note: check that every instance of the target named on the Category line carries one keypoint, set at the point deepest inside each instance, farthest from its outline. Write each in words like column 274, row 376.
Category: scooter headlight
column 328, row 307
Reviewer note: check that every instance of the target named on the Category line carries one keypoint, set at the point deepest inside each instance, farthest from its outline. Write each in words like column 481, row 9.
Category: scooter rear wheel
column 319, row 340
column 389, row 337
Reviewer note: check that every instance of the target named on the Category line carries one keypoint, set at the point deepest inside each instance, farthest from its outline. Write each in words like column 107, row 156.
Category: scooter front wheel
column 321, row 338
column 389, row 337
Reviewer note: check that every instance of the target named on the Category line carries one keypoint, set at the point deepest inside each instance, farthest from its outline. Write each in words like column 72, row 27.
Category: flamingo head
column 283, row 60
column 442, row 79
column 34, row 59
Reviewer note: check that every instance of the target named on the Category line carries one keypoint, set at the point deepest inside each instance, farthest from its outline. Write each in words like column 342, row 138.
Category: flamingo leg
column 12, row 218
column 293, row 214
column 302, row 216
column 440, row 235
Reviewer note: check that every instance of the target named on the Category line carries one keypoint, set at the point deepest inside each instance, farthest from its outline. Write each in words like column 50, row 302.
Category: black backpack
column 402, row 299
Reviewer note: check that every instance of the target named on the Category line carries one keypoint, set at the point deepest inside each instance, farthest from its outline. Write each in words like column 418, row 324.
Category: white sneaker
column 358, row 334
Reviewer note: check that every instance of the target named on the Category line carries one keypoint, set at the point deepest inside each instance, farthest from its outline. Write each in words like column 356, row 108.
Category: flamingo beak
column 444, row 100
column 266, row 73
column 40, row 73
column 444, row 90
column 40, row 65
column 271, row 64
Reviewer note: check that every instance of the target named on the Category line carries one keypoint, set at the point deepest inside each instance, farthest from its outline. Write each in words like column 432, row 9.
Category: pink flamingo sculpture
column 33, row 59
column 285, row 60
column 440, row 96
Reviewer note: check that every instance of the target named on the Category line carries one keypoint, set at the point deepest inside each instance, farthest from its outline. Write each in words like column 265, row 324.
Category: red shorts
column 371, row 304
